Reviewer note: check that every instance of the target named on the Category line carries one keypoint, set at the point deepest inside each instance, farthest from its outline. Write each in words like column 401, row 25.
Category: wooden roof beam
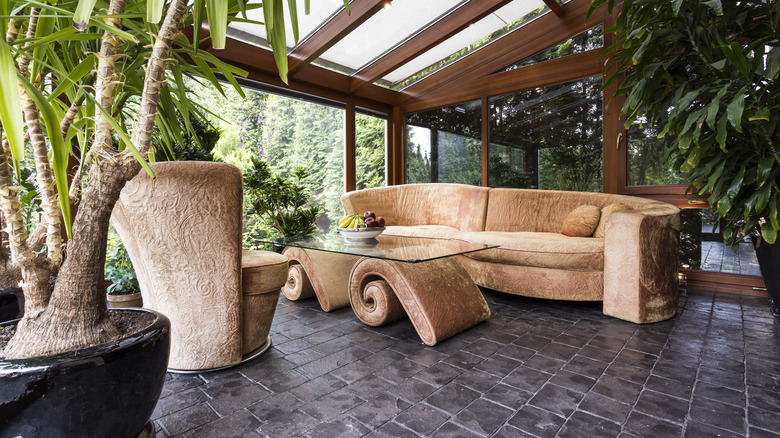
column 332, row 32
column 556, row 7
column 448, row 26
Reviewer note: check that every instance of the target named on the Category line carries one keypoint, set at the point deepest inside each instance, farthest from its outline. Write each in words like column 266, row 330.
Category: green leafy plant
column 706, row 73
column 119, row 270
column 284, row 203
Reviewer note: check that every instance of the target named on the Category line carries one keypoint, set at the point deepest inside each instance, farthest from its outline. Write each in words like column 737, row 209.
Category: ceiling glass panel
column 385, row 30
column 320, row 11
column 490, row 28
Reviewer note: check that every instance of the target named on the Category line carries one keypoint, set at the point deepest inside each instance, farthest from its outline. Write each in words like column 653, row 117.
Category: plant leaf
column 217, row 12
column 82, row 14
column 735, row 109
column 154, row 10
column 10, row 106
column 769, row 233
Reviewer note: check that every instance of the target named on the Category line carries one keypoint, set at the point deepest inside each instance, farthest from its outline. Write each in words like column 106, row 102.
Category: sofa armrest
column 640, row 263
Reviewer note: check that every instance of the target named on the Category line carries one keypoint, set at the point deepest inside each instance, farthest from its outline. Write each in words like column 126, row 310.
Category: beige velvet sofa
column 632, row 269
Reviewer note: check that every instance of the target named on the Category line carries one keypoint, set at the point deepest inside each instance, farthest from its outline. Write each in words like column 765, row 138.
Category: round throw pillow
column 606, row 211
column 581, row 222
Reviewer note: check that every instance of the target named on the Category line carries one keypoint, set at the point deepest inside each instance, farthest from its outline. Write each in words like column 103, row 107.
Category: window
column 647, row 158
column 369, row 151
column 444, row 145
column 702, row 247
column 548, row 137
column 590, row 39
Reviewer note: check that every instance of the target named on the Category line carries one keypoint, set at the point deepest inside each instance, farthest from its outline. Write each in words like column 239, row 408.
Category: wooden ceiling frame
column 454, row 22
column 520, row 43
column 557, row 8
column 332, row 32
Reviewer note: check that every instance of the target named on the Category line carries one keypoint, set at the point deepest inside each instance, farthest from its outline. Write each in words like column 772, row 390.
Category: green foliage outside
column 289, row 133
column 119, row 269
column 706, row 73
column 196, row 145
column 281, row 203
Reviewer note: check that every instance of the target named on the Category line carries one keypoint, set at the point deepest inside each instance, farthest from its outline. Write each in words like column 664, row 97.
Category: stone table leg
column 438, row 296
column 320, row 273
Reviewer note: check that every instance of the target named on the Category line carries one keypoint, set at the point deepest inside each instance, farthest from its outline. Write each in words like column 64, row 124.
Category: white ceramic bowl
column 360, row 234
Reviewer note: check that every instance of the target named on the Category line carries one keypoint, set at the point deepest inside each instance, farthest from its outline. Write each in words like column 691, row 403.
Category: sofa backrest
column 459, row 206
column 545, row 210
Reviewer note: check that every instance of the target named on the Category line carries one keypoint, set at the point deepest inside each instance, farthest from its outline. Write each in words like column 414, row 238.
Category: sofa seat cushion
column 262, row 272
column 427, row 231
column 544, row 250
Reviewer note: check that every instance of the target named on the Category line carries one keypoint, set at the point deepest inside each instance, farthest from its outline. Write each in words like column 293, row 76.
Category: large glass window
column 369, row 151
column 548, row 137
column 286, row 133
column 647, row 157
column 592, row 38
column 444, row 145
column 702, row 247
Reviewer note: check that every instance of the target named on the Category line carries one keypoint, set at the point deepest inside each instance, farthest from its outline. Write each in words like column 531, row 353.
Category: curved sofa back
column 545, row 210
column 458, row 206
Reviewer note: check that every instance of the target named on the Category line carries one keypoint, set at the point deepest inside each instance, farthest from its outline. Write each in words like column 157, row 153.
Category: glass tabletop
column 396, row 248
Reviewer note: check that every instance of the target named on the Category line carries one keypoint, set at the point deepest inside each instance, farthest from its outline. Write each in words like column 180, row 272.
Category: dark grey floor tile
column 670, row 387
column 187, row 419
column 331, row 406
column 573, row 381
column 718, row 414
column 400, row 371
column 763, row 398
column 695, row 429
column 643, row 425
column 277, row 406
column 764, row 419
column 478, row 380
column 618, row 389
column 316, row 388
column 239, row 424
column 291, row 424
column 379, row 410
column 439, row 374
column 730, row 379
column 341, row 427
column 414, row 390
column 422, row 419
column 178, row 401
column 720, row 393
column 605, row 407
column 508, row 396
column 452, row 397
column 664, row 406
column 452, row 430
column 463, row 360
column 556, row 399
column 527, row 379
column 498, row 365
column 537, row 422
column 483, row 416
column 628, row 372
column 484, row 348
column 511, row 432
column 583, row 423
column 391, row 430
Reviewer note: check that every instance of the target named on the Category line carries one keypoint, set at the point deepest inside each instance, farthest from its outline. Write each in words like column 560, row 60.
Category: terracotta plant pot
column 106, row 390
column 127, row 300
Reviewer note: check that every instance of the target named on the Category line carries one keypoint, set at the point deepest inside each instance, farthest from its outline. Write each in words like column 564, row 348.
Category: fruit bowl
column 360, row 234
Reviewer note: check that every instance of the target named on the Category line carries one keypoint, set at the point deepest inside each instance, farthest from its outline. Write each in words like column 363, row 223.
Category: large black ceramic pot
column 109, row 390
column 769, row 261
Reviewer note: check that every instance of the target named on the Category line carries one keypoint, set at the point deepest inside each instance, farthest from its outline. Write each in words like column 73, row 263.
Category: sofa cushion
column 581, row 222
column 606, row 211
column 427, row 231
column 545, row 250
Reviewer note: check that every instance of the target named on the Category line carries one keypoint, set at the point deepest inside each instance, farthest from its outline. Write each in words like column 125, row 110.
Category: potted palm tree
column 706, row 73
column 102, row 74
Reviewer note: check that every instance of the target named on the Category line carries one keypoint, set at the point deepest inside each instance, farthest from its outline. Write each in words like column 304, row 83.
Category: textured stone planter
column 106, row 390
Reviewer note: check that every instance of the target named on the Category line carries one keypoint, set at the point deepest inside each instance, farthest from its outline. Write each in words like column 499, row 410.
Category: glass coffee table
column 387, row 279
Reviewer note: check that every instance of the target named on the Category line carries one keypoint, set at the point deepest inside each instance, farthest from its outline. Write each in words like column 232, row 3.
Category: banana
column 345, row 220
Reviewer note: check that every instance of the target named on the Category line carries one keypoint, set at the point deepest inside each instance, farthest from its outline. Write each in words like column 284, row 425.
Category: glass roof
column 391, row 27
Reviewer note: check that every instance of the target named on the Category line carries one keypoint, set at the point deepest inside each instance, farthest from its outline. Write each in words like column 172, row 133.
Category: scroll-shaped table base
column 438, row 296
column 320, row 273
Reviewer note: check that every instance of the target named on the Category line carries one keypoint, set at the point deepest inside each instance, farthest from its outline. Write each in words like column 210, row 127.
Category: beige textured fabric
column 544, row 250
column 439, row 297
column 457, row 206
column 581, row 222
column 182, row 231
column 605, row 212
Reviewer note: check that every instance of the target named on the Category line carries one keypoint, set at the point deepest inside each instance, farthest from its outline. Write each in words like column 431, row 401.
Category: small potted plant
column 122, row 284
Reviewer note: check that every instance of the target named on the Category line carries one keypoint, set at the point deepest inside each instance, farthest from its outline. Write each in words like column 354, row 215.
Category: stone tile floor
column 535, row 368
